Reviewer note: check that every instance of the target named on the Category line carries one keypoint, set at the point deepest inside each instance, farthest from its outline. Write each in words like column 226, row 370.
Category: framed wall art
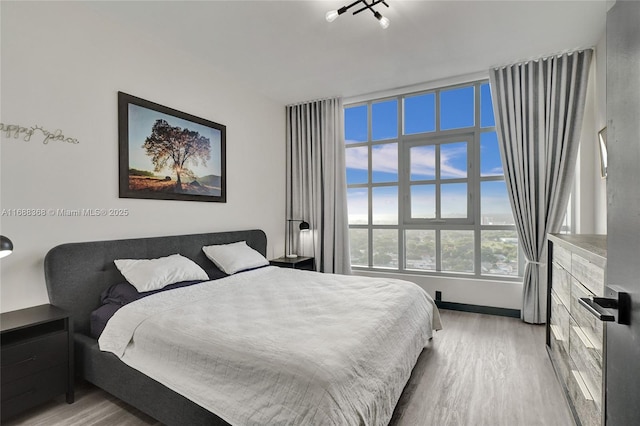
column 167, row 154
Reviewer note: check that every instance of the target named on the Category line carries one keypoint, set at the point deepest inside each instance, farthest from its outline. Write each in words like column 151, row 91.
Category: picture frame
column 602, row 143
column 166, row 154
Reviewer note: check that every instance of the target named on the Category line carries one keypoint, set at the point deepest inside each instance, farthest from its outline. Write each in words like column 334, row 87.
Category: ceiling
column 287, row 51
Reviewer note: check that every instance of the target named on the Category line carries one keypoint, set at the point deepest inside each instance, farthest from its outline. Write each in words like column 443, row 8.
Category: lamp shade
column 6, row 246
column 304, row 226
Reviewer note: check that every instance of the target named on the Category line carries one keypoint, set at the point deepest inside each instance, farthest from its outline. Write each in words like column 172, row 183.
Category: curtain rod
column 313, row 100
column 544, row 57
column 418, row 87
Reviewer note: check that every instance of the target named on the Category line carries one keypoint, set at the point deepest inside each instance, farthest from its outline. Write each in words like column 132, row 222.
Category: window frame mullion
column 438, row 139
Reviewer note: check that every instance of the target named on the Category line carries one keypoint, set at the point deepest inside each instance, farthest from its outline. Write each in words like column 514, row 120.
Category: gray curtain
column 316, row 181
column 539, row 106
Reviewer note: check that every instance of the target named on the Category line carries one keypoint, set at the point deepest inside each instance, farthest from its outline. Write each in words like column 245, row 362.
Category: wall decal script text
column 17, row 131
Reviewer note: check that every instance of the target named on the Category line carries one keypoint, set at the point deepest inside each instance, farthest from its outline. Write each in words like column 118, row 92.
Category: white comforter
column 279, row 346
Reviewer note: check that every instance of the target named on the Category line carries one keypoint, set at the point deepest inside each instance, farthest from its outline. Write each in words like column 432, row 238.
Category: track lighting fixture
column 384, row 22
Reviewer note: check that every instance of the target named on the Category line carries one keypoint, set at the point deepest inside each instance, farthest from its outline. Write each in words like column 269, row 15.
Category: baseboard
column 478, row 309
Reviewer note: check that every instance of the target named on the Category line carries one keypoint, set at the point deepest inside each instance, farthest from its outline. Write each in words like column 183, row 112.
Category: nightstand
column 36, row 356
column 300, row 262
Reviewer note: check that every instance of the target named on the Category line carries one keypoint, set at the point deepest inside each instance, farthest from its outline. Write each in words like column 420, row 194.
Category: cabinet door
column 22, row 394
column 25, row 358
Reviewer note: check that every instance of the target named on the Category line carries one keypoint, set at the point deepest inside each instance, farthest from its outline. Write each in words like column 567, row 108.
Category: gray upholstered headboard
column 77, row 273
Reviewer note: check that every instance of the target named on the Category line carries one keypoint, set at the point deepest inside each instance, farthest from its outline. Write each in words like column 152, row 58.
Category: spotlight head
column 331, row 15
column 384, row 22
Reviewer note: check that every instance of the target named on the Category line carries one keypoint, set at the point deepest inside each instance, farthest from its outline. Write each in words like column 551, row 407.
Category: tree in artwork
column 176, row 149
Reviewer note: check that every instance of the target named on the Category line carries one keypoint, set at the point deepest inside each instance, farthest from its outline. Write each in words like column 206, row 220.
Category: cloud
column 423, row 163
column 357, row 158
column 496, row 171
column 453, row 153
column 385, row 158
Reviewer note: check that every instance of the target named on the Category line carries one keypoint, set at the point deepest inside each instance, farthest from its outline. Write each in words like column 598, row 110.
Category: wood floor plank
column 483, row 370
column 479, row 370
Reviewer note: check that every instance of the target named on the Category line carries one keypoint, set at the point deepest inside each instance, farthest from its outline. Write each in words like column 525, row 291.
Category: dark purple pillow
column 169, row 287
column 119, row 295
column 100, row 316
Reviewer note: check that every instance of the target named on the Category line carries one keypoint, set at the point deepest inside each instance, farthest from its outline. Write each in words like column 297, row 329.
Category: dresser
column 36, row 357
column 575, row 338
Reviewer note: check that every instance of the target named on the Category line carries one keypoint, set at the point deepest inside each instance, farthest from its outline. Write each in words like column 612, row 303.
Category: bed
column 78, row 273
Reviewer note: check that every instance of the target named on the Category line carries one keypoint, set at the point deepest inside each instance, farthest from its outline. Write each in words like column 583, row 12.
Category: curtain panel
column 316, row 181
column 539, row 107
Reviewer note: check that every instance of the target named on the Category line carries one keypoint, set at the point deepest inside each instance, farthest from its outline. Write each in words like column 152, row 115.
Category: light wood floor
column 479, row 370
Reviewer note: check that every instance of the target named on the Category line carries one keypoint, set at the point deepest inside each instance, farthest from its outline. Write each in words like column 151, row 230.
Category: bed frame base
column 77, row 273
column 106, row 371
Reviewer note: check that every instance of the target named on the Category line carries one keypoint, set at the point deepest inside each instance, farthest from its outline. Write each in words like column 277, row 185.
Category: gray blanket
column 279, row 346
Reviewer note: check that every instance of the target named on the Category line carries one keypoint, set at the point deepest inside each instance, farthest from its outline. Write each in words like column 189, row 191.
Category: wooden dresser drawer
column 581, row 398
column 562, row 257
column 561, row 284
column 34, row 389
column 586, row 362
column 559, row 354
column 25, row 358
column 559, row 322
column 560, row 357
column 590, row 327
column 589, row 274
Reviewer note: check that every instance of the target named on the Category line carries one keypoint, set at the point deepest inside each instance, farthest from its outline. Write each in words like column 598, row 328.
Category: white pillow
column 234, row 257
column 153, row 274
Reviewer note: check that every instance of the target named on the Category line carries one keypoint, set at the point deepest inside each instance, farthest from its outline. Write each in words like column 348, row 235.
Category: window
column 426, row 190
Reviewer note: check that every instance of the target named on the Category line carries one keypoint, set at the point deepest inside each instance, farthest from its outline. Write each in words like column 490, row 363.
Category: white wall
column 500, row 294
column 62, row 67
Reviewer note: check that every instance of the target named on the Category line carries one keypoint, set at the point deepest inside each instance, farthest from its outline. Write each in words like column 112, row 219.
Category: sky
column 141, row 121
column 456, row 112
